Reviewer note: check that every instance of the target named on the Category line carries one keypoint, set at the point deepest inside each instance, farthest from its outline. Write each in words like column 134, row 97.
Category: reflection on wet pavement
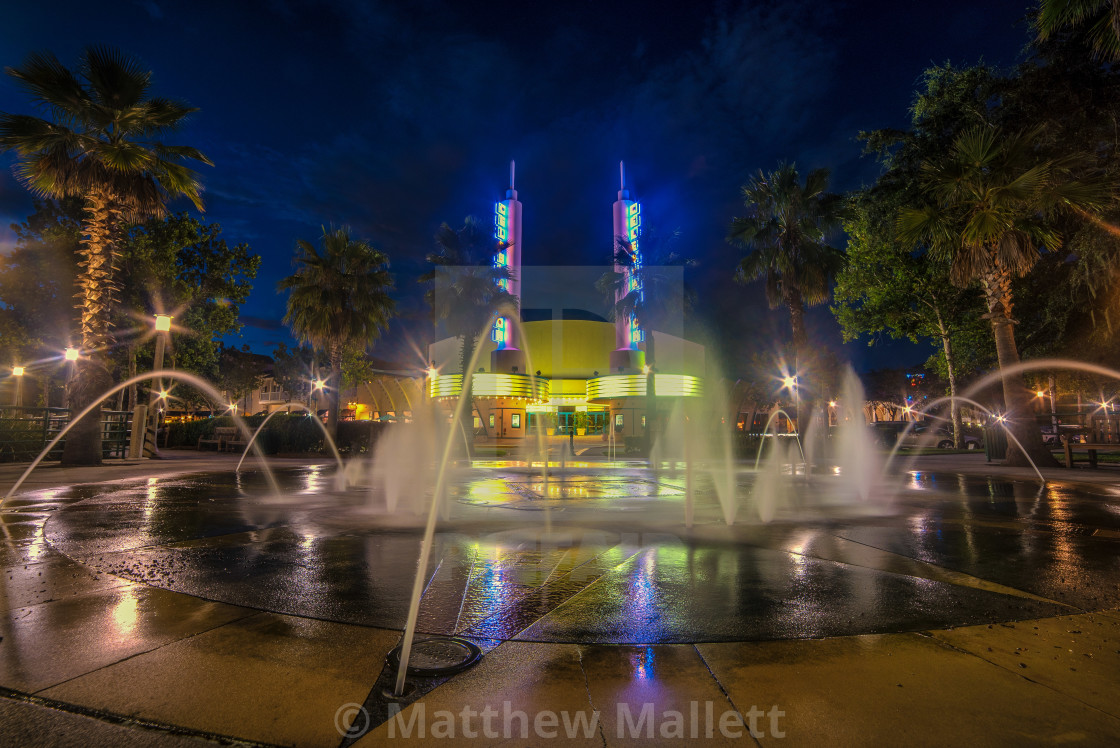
column 602, row 557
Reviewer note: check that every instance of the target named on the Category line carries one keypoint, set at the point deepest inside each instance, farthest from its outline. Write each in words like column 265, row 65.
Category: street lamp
column 790, row 383
column 17, row 372
column 71, row 355
column 157, row 392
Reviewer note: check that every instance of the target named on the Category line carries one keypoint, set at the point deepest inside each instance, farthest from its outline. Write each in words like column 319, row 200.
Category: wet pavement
column 201, row 607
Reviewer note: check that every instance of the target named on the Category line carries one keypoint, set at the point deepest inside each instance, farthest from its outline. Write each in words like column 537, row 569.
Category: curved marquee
column 487, row 384
column 634, row 385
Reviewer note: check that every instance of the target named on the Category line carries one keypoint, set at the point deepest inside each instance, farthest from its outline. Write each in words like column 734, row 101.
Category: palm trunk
column 95, row 282
column 950, row 366
column 131, row 374
column 1017, row 402
column 336, row 390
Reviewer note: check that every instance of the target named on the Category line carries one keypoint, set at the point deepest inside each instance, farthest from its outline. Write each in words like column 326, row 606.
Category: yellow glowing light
column 634, row 385
column 491, row 385
column 790, row 382
column 163, row 394
column 126, row 612
column 17, row 371
column 233, row 407
column 71, row 354
column 645, row 369
column 163, row 323
column 1040, row 393
column 832, row 403
column 320, row 383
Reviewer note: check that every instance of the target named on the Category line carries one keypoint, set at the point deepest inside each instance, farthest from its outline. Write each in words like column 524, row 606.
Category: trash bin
column 995, row 442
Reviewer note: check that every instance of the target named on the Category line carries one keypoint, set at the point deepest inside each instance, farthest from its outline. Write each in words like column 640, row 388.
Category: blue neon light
column 501, row 222
column 633, row 281
column 500, row 333
column 636, row 333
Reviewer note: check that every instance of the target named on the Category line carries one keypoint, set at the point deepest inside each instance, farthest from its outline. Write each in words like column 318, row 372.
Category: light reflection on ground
column 609, row 559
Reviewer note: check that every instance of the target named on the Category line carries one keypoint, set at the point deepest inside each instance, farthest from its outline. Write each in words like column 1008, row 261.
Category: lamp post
column 317, row 386
column 163, row 331
column 71, row 354
column 790, row 383
column 17, row 372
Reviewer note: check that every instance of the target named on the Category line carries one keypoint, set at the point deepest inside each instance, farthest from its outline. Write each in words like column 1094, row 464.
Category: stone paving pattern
column 989, row 628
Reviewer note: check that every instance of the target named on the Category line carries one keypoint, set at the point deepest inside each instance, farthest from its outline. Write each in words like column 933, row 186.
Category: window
column 617, row 420
column 491, row 420
column 643, row 422
column 477, row 421
column 515, row 420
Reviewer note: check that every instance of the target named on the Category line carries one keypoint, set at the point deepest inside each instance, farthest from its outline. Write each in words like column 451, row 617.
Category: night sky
column 394, row 117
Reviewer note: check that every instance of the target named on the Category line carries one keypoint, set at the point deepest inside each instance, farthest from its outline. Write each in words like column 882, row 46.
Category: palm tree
column 99, row 143
column 1104, row 16
column 990, row 200
column 468, row 293
column 339, row 298
column 657, row 298
column 787, row 226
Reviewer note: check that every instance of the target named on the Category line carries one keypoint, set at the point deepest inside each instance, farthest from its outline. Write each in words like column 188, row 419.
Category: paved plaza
column 176, row 602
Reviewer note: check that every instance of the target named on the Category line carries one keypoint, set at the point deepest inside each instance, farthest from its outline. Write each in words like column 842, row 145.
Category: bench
column 215, row 440
column 224, row 437
column 1103, row 435
column 235, row 441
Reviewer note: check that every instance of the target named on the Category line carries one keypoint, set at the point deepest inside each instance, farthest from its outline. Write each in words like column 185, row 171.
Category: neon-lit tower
column 507, row 229
column 627, row 356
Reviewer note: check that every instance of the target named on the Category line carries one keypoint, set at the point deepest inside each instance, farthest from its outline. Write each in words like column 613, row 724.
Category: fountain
column 301, row 406
column 691, row 493
column 190, row 379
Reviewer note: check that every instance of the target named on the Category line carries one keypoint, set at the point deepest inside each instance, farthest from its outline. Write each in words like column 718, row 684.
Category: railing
column 24, row 432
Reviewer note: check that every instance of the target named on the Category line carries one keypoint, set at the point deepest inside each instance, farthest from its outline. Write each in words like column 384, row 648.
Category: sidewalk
column 91, row 659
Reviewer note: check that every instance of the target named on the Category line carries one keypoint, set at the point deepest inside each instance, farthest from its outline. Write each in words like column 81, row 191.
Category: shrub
column 295, row 433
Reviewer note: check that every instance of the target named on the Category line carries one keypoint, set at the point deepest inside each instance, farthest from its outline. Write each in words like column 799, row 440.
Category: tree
column 175, row 265
column 990, row 199
column 37, row 287
column 465, row 287
column 181, row 266
column 787, row 226
column 338, row 297
column 295, row 368
column 100, row 144
column 886, row 286
column 239, row 373
column 1102, row 16
column 651, row 289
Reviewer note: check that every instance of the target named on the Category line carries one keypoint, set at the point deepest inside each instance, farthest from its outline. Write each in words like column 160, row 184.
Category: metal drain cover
column 438, row 655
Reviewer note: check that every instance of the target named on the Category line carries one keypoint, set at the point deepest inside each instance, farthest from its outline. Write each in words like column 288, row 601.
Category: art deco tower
column 627, row 357
column 507, row 230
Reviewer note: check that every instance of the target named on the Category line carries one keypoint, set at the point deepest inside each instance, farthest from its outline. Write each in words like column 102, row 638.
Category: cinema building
column 592, row 373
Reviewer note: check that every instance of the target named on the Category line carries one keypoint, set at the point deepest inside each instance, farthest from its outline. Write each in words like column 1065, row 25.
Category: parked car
column 886, row 433
column 941, row 436
column 923, row 434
